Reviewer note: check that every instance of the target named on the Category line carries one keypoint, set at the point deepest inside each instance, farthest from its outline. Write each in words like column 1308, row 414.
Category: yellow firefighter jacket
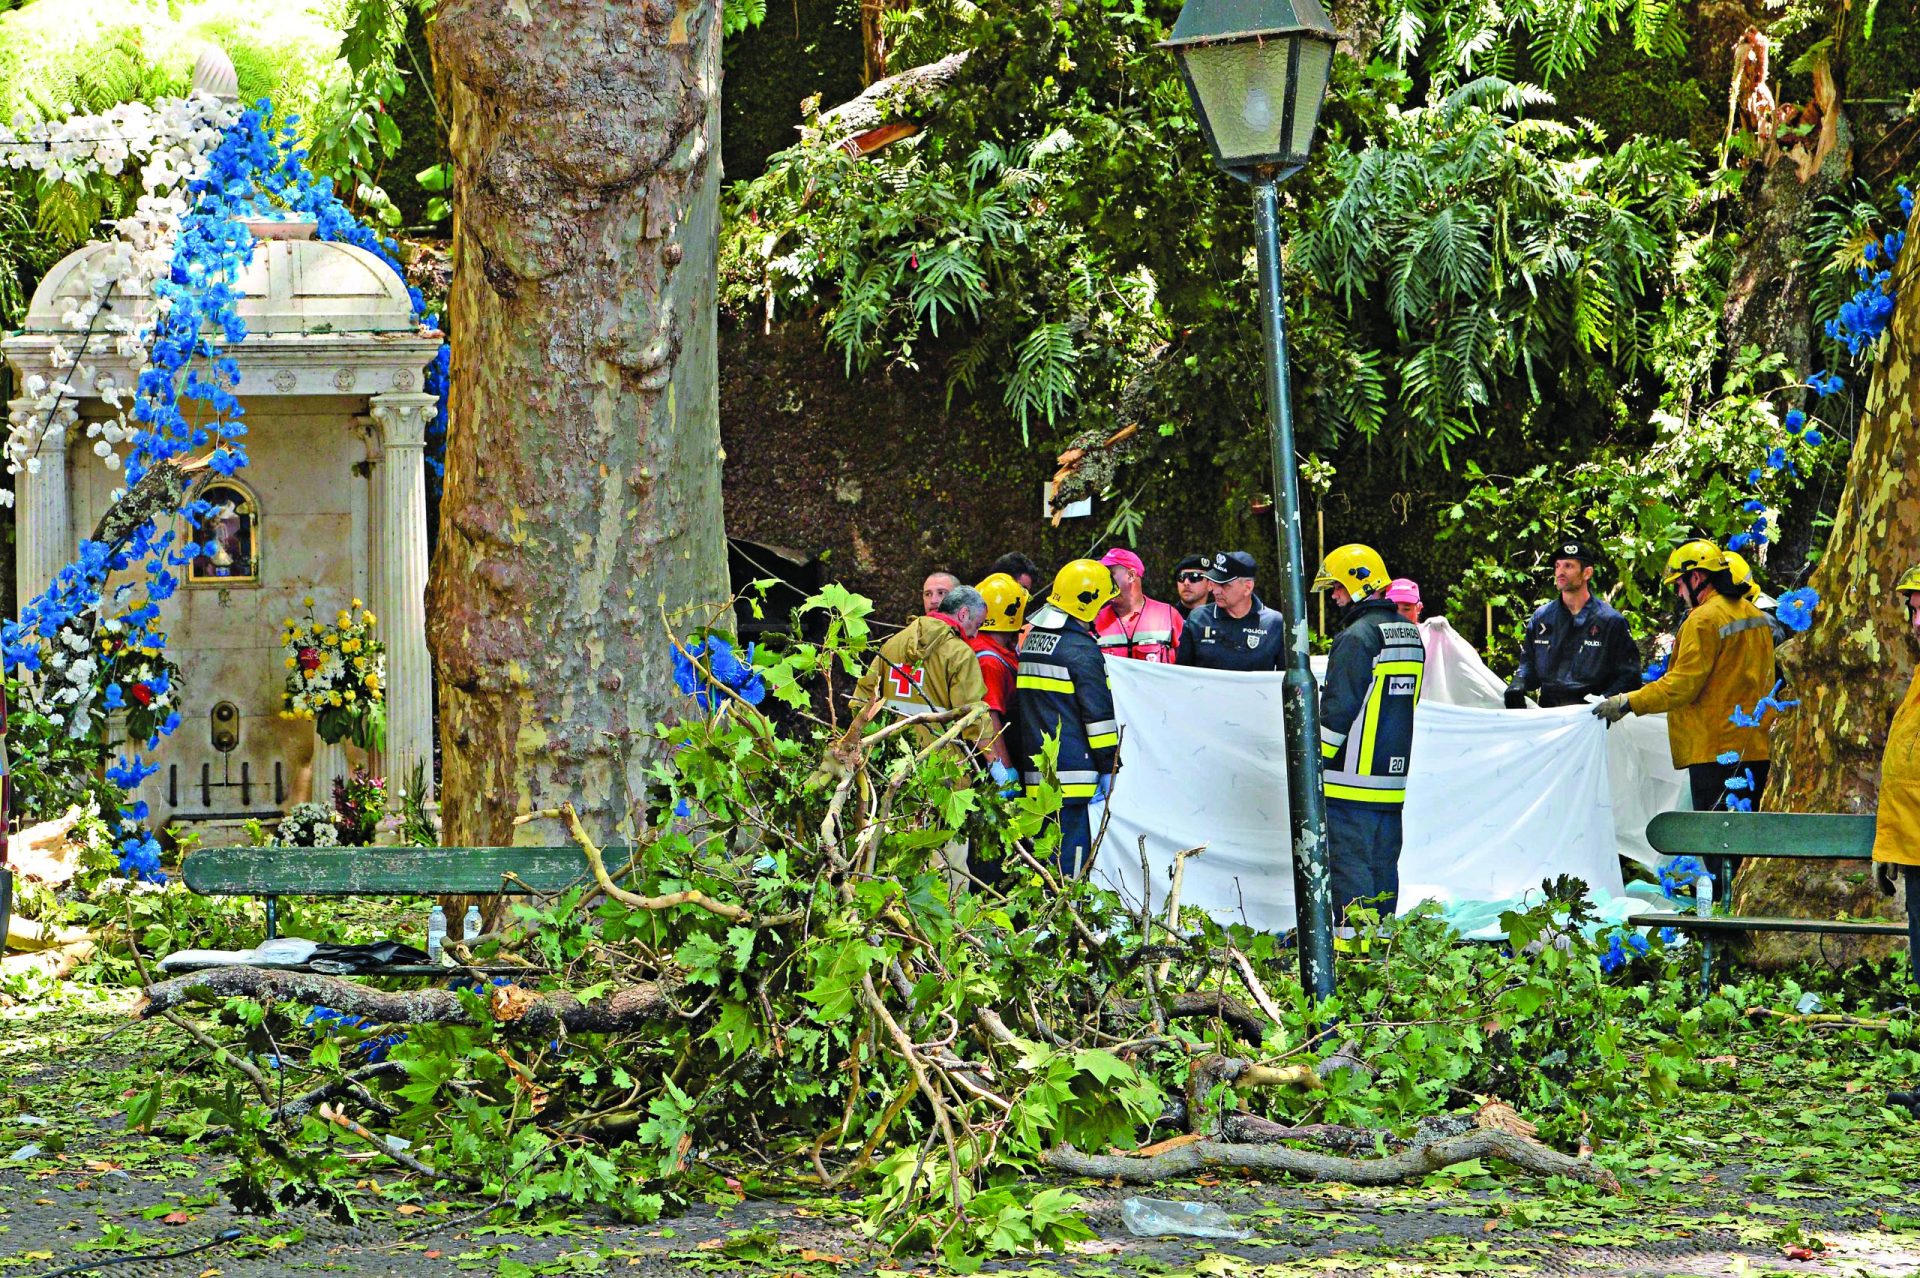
column 1724, row 659
column 1896, row 832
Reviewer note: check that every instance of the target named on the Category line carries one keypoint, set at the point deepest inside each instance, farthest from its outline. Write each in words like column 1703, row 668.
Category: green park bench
column 274, row 872
column 1716, row 837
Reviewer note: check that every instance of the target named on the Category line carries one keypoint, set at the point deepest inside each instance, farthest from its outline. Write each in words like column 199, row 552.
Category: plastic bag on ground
column 1164, row 1217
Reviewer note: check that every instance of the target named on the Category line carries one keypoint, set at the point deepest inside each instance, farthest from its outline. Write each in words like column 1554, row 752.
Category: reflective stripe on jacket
column 1366, row 704
column 1151, row 634
column 1062, row 691
column 1723, row 659
column 927, row 667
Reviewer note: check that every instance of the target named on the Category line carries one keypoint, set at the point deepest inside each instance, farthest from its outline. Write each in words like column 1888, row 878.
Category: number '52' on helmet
column 1081, row 588
column 1359, row 568
column 1701, row 555
column 1006, row 603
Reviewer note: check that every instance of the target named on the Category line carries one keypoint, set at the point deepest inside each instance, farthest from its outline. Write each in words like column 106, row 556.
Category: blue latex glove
column 1005, row 777
column 1103, row 787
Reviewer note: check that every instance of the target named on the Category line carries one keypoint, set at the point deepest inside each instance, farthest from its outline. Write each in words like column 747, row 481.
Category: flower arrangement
column 142, row 684
column 308, row 825
column 704, row 668
column 359, row 802
column 336, row 675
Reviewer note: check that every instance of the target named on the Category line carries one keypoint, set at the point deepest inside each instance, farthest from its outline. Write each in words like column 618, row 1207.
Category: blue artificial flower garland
column 257, row 168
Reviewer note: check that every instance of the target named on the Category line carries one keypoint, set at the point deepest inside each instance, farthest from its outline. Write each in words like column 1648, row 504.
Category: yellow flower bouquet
column 336, row 675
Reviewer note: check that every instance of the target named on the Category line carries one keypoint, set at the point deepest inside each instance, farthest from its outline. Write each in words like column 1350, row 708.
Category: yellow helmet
column 1359, row 568
column 1006, row 603
column 1739, row 569
column 1702, row 555
column 1081, row 588
column 1909, row 581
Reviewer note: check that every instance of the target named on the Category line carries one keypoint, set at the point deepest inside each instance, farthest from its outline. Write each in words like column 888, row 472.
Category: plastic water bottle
column 436, row 933
column 1164, row 1217
column 1703, row 895
column 470, row 925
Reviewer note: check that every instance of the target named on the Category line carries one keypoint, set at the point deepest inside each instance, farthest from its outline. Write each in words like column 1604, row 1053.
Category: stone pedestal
column 329, row 765
column 403, row 419
column 43, row 509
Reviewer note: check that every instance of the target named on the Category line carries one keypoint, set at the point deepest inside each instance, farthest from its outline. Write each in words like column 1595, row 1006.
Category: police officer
column 1236, row 631
column 1061, row 691
column 1366, row 728
column 1723, row 660
column 1577, row 645
column 1190, row 584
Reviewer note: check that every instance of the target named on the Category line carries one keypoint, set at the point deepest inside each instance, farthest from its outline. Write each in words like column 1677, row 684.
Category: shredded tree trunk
column 895, row 98
column 634, row 1007
column 1408, row 1164
column 583, row 463
column 1851, row 669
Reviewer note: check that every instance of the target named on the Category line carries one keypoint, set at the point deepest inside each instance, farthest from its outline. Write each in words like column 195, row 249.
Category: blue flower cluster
column 326, row 1023
column 1864, row 316
column 1622, row 948
column 1796, row 607
column 1741, row 719
column 1677, row 876
column 723, row 668
column 1657, row 670
column 257, row 168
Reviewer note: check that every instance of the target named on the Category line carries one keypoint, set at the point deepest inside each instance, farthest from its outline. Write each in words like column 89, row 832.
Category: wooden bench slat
column 402, row 871
column 1826, row 836
column 1756, row 923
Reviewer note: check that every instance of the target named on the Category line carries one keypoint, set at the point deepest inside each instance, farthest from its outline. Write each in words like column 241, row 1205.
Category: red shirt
column 1151, row 634
column 998, row 666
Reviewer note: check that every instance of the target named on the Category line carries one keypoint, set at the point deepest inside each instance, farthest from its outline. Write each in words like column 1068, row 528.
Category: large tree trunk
column 1852, row 667
column 583, row 465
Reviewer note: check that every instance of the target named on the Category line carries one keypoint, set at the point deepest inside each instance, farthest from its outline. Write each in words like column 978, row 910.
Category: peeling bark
column 1853, row 666
column 583, row 464
column 1408, row 1164
column 632, row 1008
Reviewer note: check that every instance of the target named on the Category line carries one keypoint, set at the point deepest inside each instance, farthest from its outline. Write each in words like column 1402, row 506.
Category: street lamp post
column 1257, row 72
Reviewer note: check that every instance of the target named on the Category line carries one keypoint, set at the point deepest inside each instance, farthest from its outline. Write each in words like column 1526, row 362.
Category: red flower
column 309, row 658
column 141, row 694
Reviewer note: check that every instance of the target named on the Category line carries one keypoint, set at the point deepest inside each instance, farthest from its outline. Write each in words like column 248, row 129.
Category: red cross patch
column 906, row 680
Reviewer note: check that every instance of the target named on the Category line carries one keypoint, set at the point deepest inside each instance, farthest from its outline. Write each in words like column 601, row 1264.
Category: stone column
column 43, row 505
column 329, row 765
column 403, row 422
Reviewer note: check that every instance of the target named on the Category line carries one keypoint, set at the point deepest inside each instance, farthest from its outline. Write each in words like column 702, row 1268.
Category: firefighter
column 999, row 669
column 1896, row 832
column 1366, row 728
column 1577, row 645
column 1062, row 693
column 1723, row 660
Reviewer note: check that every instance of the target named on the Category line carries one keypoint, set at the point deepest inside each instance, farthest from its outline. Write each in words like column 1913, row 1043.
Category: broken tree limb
column 630, row 1008
column 1242, row 1128
column 885, row 101
column 725, row 909
column 1246, row 1022
column 1407, row 1164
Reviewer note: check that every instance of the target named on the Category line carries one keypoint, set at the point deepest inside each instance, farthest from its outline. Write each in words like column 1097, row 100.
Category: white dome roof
column 291, row 286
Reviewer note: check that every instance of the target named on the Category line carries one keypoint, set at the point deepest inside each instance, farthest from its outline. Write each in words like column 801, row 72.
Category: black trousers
column 1363, row 845
column 1708, row 782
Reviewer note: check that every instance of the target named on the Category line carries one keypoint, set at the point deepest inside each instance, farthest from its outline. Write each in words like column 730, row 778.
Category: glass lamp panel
column 1309, row 91
column 1242, row 90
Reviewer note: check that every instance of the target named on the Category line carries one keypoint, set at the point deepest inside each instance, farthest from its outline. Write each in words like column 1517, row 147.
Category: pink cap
column 1121, row 557
column 1403, row 590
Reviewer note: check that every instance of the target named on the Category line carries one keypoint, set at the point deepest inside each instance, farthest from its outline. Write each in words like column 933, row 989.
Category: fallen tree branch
column 1245, row 1021
column 624, row 1009
column 394, row 1152
column 887, row 99
column 1408, row 1164
column 725, row 909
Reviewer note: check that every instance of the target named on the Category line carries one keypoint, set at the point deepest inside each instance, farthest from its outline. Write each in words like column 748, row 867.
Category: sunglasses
column 1192, row 576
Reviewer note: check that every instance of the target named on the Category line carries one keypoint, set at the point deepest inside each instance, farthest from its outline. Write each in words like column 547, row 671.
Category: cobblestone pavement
column 94, row 1190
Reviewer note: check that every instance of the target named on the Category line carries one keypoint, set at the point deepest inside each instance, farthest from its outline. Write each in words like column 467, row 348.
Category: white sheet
column 1496, row 800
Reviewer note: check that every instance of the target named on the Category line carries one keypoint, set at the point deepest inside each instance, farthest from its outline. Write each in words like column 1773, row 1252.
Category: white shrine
column 332, row 504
